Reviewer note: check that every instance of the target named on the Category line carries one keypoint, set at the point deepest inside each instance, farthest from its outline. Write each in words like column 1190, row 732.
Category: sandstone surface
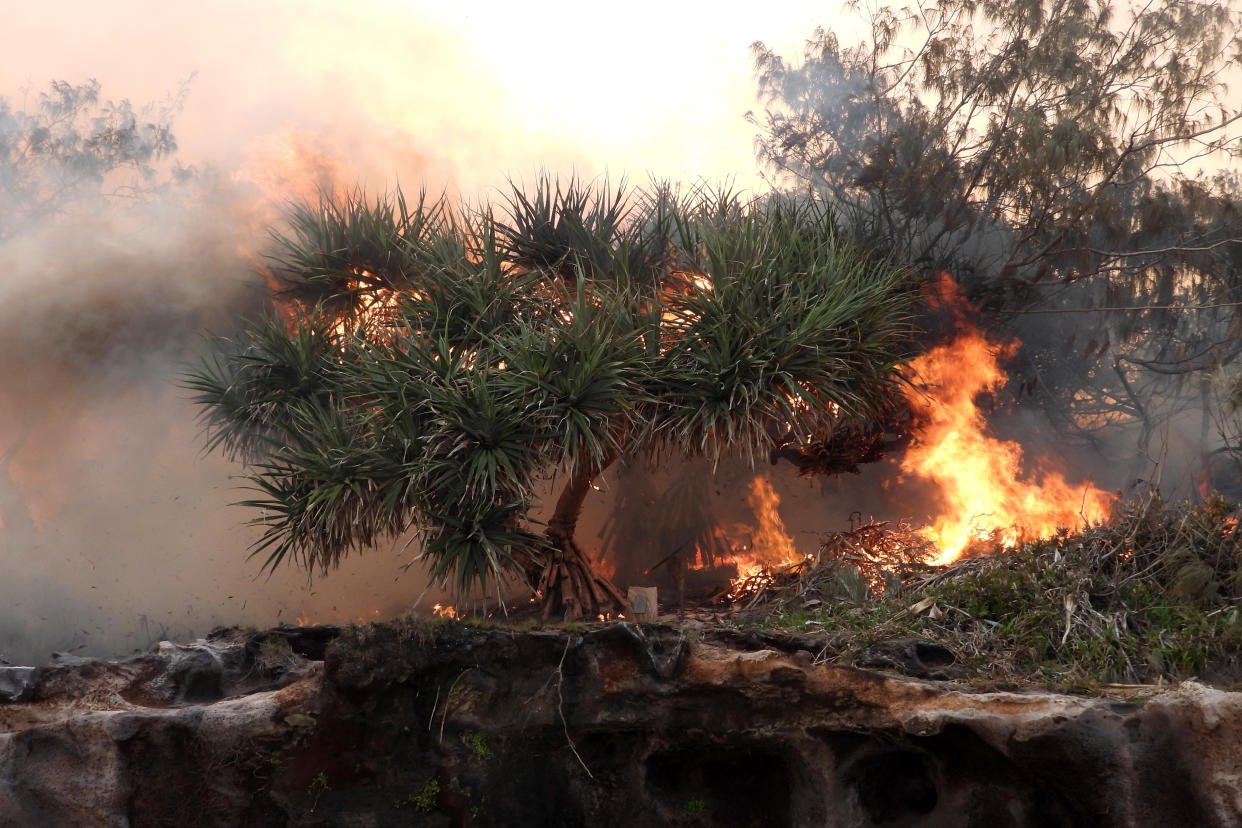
column 619, row 724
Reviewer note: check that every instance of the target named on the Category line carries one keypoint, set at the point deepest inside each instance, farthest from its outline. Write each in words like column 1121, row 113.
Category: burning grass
column 1152, row 596
column 867, row 560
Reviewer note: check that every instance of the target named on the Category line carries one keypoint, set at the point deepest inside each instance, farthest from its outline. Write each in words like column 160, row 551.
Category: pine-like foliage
column 433, row 364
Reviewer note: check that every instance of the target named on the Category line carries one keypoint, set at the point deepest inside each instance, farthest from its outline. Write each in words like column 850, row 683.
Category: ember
column 863, row 562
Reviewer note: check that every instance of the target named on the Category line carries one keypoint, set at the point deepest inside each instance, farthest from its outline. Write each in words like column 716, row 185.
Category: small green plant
column 478, row 744
column 694, row 807
column 427, row 798
column 317, row 787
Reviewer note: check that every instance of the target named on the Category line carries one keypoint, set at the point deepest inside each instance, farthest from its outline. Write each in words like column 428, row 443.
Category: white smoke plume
column 116, row 529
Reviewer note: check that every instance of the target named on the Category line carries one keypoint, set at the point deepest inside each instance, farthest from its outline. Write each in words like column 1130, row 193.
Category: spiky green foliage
column 343, row 250
column 796, row 326
column 536, row 343
column 574, row 226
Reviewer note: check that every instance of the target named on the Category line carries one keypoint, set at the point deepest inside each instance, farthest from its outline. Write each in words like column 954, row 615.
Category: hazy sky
column 119, row 531
column 476, row 90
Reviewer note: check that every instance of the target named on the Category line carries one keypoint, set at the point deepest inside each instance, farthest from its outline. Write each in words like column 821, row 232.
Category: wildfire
column 374, row 307
column 985, row 494
column 768, row 546
column 988, row 498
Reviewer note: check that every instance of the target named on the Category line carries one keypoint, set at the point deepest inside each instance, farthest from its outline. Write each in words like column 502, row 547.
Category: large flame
column 770, row 543
column 985, row 493
column 989, row 498
column 758, row 549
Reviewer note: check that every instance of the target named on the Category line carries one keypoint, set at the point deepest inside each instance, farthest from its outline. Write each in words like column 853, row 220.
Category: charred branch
column 847, row 447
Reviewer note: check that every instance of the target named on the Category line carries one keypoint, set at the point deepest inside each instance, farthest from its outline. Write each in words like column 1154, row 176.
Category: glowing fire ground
column 987, row 501
column 985, row 495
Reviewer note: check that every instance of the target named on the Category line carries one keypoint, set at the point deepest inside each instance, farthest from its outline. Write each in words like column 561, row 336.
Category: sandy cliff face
column 618, row 725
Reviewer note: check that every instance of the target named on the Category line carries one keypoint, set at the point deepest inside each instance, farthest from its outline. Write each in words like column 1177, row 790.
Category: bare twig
column 560, row 707
column 432, row 718
column 449, row 696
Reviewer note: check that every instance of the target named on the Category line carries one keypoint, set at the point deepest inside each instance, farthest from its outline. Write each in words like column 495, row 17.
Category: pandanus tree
column 433, row 367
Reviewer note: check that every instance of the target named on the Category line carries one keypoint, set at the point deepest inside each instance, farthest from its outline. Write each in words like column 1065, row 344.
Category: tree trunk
column 566, row 584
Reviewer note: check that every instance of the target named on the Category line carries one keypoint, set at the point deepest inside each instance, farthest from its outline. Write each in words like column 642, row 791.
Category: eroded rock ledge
column 402, row 723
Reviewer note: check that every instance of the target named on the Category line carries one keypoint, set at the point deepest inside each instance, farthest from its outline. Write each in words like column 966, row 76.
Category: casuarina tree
column 69, row 150
column 1068, row 162
column 432, row 367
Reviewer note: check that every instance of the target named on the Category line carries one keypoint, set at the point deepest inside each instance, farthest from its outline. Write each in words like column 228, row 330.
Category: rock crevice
column 405, row 723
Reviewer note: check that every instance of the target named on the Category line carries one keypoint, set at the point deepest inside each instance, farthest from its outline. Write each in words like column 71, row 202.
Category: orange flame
column 771, row 544
column 605, row 567
column 768, row 546
column 1204, row 487
column 441, row 611
column 374, row 310
column 986, row 495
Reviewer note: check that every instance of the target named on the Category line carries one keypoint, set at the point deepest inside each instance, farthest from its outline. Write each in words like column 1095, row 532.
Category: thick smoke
column 117, row 530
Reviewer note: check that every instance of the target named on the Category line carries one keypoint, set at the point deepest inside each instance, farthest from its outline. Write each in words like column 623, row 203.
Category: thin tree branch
column 1127, row 309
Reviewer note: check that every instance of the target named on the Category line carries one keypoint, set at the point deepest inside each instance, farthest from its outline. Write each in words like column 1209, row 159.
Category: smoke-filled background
column 116, row 529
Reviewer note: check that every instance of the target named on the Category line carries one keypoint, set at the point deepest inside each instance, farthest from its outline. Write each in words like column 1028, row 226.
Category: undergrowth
column 1152, row 596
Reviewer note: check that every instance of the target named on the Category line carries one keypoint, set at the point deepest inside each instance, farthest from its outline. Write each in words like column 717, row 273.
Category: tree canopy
column 1053, row 156
column 71, row 148
column 433, row 364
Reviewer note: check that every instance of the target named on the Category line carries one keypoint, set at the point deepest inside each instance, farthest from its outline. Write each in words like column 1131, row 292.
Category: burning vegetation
column 1149, row 597
column 463, row 377
column 433, row 366
column 430, row 365
column 987, row 498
